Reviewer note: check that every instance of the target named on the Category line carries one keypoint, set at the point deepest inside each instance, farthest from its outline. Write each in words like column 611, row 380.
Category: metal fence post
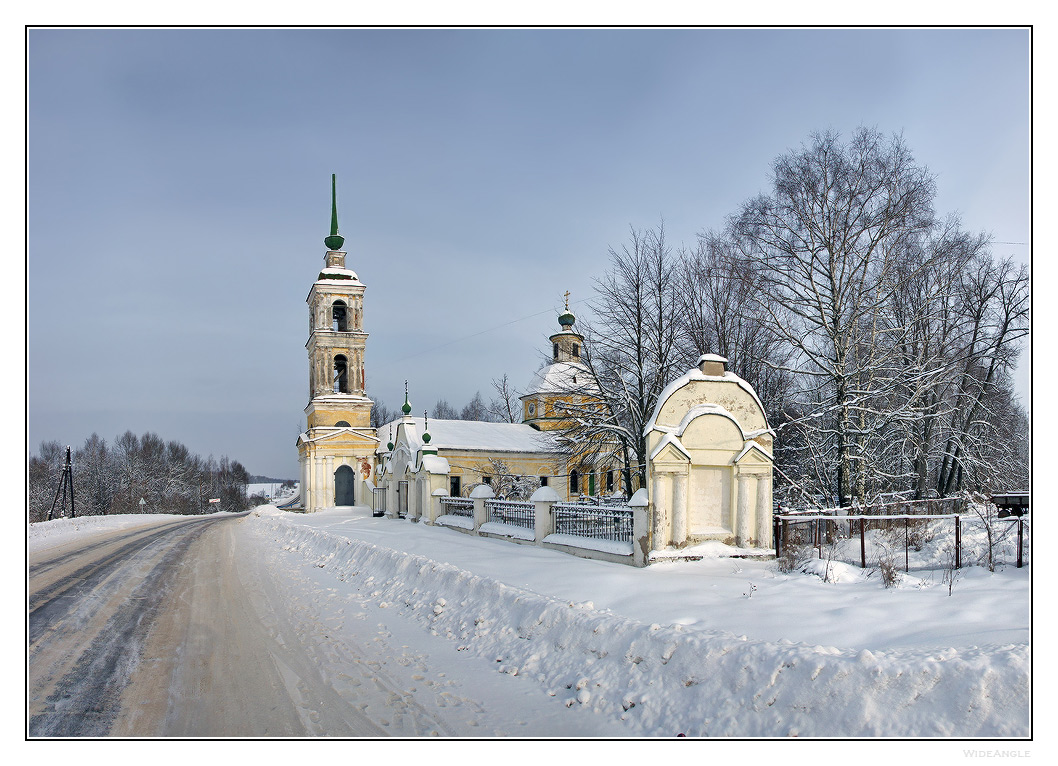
column 958, row 542
column 863, row 544
column 777, row 528
column 1019, row 541
column 907, row 542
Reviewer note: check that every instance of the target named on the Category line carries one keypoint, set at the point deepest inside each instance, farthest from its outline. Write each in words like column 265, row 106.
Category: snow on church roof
column 561, row 378
column 475, row 435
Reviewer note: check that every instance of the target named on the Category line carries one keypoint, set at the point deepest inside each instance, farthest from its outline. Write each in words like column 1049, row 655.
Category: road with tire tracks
column 157, row 631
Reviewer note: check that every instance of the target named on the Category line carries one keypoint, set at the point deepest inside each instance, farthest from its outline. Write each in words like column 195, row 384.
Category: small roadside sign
column 214, row 500
column 142, row 502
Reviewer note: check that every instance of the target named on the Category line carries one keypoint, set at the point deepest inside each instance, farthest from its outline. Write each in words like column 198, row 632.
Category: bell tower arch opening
column 339, row 316
column 341, row 374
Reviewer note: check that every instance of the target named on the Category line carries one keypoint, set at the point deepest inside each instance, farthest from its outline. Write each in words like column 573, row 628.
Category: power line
column 482, row 332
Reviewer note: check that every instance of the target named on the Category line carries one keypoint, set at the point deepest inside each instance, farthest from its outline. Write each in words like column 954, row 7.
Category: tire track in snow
column 86, row 699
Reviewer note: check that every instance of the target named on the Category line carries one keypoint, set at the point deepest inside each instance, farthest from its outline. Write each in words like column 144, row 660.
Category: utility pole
column 65, row 484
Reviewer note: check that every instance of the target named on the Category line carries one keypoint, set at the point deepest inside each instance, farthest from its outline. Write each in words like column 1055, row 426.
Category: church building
column 513, row 458
column 337, row 450
column 709, row 445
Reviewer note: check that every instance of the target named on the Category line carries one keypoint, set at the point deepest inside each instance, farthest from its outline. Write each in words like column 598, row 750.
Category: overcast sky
column 178, row 194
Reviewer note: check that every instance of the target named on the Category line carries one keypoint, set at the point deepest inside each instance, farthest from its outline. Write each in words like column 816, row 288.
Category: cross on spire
column 567, row 300
column 406, row 407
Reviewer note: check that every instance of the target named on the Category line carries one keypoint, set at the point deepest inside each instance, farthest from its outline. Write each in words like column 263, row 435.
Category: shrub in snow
column 792, row 558
column 888, row 570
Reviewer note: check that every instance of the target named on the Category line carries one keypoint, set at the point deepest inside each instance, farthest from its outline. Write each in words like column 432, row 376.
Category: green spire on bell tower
column 334, row 241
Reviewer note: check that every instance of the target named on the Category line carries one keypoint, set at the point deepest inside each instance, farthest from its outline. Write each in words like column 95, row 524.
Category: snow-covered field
column 719, row 647
column 272, row 490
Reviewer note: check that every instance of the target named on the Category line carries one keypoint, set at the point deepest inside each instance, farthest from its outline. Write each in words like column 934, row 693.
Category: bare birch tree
column 721, row 314
column 505, row 407
column 995, row 303
column 634, row 348
column 825, row 244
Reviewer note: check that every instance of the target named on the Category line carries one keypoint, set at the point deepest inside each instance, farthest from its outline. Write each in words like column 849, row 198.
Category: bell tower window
column 556, row 351
column 341, row 375
column 576, row 351
column 340, row 317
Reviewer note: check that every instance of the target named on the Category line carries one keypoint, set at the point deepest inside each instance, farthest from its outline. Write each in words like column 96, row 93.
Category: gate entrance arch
column 344, row 485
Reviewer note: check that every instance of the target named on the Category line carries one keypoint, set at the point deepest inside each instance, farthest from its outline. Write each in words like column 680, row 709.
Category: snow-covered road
column 197, row 628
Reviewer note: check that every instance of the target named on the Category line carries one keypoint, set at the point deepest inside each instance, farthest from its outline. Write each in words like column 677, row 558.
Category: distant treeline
column 112, row 478
column 261, row 479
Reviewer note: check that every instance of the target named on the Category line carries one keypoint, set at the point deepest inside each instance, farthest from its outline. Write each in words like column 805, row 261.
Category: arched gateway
column 344, row 486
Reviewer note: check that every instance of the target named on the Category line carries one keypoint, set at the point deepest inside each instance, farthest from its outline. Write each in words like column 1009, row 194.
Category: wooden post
column 863, row 544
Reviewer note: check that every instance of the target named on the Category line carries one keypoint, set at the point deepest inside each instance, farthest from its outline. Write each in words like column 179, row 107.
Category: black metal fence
column 885, row 506
column 925, row 540
column 599, row 522
column 457, row 506
column 378, row 501
column 517, row 513
column 817, row 531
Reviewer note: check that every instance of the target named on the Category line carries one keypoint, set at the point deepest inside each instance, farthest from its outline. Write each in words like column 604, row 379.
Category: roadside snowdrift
column 667, row 680
column 47, row 534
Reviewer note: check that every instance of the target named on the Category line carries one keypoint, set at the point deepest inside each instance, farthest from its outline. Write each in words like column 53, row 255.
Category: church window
column 556, row 351
column 609, row 480
column 574, row 481
column 341, row 424
column 341, row 375
column 339, row 317
column 487, row 480
column 454, row 486
column 543, row 481
column 576, row 351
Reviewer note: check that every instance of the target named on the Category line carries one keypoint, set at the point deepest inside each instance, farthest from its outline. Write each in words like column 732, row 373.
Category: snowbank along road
column 181, row 628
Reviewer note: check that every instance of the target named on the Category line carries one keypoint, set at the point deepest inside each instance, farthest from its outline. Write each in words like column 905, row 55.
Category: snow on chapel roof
column 478, row 435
